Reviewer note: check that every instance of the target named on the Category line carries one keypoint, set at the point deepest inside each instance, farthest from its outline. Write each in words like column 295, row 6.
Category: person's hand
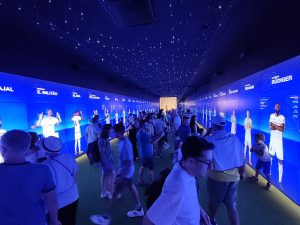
column 41, row 115
column 80, row 112
column 204, row 218
column 58, row 115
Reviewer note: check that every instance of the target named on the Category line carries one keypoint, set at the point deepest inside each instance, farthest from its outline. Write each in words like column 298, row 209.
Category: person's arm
column 81, row 115
column 156, row 138
column 86, row 134
column 51, row 204
column 204, row 218
column 38, row 123
column 280, row 127
column 147, row 221
column 58, row 118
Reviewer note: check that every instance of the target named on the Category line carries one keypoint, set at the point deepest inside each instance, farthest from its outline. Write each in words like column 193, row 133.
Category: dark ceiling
column 179, row 48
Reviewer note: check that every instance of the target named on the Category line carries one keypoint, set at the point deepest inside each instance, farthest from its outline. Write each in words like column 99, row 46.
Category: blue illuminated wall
column 258, row 94
column 22, row 99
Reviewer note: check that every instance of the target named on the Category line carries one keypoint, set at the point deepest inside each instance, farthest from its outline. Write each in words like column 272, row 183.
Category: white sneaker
column 104, row 195
column 100, row 219
column 118, row 196
column 135, row 213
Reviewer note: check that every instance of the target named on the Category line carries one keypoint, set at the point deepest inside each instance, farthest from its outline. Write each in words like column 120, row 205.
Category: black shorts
column 148, row 162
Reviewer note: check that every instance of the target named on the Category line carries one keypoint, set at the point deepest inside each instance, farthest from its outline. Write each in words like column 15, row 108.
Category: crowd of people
column 40, row 185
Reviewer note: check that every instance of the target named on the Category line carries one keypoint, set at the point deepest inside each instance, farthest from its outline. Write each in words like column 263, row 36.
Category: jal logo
column 6, row 89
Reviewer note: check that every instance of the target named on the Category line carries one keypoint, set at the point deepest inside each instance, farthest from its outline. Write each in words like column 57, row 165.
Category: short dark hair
column 193, row 147
column 119, row 128
column 142, row 123
column 259, row 136
column 105, row 131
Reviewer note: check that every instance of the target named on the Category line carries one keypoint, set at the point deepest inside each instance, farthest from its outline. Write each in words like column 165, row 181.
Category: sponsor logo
column 75, row 95
column 6, row 89
column 249, row 87
column 43, row 91
column 277, row 79
column 222, row 93
column 92, row 96
column 233, row 91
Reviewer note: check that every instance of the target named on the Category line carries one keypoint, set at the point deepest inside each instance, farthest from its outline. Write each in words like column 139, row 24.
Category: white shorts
column 276, row 148
column 77, row 135
column 248, row 141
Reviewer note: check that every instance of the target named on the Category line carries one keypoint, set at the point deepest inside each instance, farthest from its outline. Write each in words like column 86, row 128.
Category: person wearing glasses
column 226, row 171
column 178, row 202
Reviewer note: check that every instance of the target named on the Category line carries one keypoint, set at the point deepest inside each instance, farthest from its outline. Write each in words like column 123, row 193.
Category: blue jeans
column 223, row 192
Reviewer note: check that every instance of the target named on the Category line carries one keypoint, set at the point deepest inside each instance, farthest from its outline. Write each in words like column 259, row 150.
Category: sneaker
column 100, row 219
column 118, row 196
column 136, row 213
column 268, row 186
column 104, row 195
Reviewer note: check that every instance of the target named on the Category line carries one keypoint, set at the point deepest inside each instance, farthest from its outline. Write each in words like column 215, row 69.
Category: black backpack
column 93, row 153
column 154, row 190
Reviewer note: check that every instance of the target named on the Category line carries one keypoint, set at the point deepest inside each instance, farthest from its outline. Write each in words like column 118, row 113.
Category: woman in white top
column 64, row 169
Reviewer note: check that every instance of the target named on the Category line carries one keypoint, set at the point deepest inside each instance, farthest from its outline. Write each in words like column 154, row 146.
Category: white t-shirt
column 248, row 126
column 77, row 131
column 276, row 135
column 125, row 151
column 64, row 169
column 48, row 124
column 159, row 126
column 178, row 202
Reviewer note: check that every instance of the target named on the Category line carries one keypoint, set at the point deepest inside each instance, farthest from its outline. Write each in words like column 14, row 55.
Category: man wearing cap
column 64, row 169
column 227, row 169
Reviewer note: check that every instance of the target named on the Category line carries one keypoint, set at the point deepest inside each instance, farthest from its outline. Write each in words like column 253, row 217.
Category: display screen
column 26, row 103
column 249, row 108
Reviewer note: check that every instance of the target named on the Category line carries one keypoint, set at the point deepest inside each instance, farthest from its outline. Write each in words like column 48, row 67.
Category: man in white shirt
column 48, row 123
column 248, row 128
column 77, row 132
column 277, row 126
column 178, row 202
